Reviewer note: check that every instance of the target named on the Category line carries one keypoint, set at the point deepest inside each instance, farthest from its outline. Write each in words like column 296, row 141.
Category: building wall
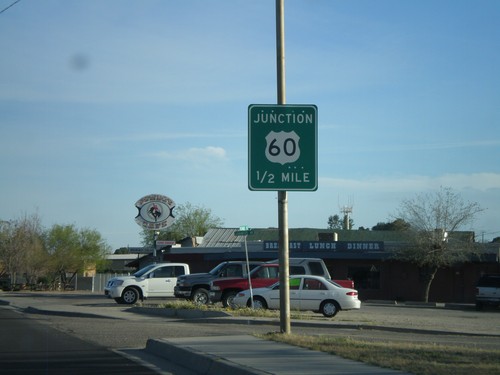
column 401, row 281
column 375, row 279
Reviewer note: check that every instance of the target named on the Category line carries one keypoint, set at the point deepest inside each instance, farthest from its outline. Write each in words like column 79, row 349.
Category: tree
column 122, row 250
column 72, row 251
column 21, row 249
column 190, row 221
column 431, row 218
column 336, row 223
column 396, row 225
column 93, row 250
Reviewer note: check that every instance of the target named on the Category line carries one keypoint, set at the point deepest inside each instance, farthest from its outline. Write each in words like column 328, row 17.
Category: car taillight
column 352, row 294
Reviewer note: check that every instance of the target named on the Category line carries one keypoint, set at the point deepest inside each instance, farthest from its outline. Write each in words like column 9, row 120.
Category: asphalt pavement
column 28, row 347
column 227, row 354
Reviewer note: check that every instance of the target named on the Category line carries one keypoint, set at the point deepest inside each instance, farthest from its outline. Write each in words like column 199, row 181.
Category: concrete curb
column 194, row 360
column 354, row 326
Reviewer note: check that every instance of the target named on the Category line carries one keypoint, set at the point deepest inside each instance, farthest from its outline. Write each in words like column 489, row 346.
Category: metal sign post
column 282, row 146
column 245, row 231
column 285, row 326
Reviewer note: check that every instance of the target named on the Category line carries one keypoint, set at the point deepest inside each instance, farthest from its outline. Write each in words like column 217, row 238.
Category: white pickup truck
column 155, row 280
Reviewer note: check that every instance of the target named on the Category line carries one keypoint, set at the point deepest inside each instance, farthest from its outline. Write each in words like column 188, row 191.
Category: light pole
column 156, row 234
column 285, row 326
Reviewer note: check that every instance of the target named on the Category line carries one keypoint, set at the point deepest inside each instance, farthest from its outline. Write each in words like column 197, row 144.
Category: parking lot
column 95, row 318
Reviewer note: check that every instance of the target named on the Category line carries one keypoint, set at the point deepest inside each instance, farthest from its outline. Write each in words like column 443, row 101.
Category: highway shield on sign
column 282, row 147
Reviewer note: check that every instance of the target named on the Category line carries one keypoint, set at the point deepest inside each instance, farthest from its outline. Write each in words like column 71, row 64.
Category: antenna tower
column 346, row 210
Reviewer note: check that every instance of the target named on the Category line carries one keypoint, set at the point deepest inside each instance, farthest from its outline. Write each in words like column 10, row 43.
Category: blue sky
column 104, row 102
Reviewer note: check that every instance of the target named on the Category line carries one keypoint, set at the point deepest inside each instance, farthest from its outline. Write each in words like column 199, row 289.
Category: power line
column 11, row 5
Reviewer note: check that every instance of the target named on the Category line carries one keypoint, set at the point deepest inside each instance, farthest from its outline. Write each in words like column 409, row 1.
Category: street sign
column 282, row 147
column 243, row 232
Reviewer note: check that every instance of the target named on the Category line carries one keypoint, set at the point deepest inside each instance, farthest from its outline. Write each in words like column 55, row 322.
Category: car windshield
column 216, row 269
column 144, row 270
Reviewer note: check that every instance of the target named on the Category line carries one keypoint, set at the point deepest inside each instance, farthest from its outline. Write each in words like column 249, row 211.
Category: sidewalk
column 245, row 355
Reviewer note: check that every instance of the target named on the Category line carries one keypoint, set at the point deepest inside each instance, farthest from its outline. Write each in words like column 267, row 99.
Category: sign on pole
column 283, row 147
column 243, row 231
column 155, row 212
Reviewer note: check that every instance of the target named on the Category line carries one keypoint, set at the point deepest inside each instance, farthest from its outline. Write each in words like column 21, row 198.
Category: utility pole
column 285, row 326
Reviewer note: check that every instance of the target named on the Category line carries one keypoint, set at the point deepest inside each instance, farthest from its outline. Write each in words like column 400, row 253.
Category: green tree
column 72, row 251
column 93, row 249
column 431, row 218
column 190, row 221
column 336, row 223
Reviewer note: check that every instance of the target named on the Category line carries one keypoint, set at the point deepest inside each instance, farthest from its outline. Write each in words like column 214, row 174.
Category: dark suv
column 488, row 291
column 196, row 285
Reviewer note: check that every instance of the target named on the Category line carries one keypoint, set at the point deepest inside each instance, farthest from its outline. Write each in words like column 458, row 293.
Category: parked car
column 488, row 291
column 155, row 280
column 224, row 290
column 307, row 293
column 196, row 286
column 313, row 266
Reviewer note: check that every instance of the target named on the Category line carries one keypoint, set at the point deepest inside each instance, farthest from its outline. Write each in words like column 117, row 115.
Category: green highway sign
column 283, row 147
column 243, row 232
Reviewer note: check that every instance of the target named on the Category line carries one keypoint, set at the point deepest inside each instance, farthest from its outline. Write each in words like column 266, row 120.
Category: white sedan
column 307, row 292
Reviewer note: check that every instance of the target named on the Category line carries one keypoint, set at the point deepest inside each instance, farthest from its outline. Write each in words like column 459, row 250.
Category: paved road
column 29, row 347
column 100, row 321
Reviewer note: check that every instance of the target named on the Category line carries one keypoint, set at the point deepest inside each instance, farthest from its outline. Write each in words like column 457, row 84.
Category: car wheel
column 200, row 296
column 329, row 308
column 119, row 300
column 479, row 306
column 258, row 303
column 227, row 299
column 130, row 296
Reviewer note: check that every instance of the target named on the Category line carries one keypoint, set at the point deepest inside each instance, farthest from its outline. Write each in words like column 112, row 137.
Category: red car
column 226, row 289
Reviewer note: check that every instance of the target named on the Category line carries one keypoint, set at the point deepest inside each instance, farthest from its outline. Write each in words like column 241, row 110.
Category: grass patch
column 421, row 359
column 244, row 311
column 185, row 304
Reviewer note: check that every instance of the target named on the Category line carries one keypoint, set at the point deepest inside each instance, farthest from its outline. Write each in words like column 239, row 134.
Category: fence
column 94, row 283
